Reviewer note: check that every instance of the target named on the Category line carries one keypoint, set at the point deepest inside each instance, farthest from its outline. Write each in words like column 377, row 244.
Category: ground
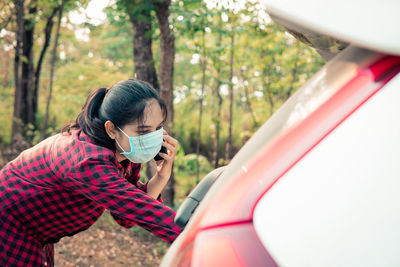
column 107, row 244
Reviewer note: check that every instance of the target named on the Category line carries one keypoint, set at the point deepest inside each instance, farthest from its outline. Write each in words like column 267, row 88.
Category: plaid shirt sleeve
column 98, row 179
column 133, row 177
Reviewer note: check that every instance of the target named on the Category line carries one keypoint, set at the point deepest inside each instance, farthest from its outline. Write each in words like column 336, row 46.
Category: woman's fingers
column 165, row 156
column 159, row 162
column 171, row 144
column 169, row 147
column 170, row 139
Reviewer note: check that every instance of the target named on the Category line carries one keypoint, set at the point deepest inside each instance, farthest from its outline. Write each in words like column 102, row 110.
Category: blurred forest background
column 222, row 67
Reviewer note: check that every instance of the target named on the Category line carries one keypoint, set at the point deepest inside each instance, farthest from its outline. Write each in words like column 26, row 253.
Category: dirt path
column 107, row 244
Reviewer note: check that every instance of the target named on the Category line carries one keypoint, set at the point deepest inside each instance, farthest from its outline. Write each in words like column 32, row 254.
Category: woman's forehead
column 152, row 117
column 153, row 114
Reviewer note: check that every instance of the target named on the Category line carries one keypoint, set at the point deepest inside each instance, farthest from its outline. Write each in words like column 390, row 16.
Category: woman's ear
column 110, row 129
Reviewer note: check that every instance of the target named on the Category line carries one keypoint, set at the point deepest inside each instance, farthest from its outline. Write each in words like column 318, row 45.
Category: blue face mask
column 143, row 147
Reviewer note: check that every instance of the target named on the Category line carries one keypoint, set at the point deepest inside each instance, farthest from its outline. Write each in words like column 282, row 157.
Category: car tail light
column 235, row 245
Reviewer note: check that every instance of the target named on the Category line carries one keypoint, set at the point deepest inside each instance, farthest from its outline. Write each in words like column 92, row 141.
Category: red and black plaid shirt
column 60, row 187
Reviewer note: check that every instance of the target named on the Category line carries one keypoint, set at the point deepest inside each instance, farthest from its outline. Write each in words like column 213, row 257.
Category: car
column 319, row 183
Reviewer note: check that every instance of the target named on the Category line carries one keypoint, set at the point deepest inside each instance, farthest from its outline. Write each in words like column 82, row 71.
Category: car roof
column 369, row 24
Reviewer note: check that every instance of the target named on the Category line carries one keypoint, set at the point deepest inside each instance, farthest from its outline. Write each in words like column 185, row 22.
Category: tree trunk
column 140, row 17
column 219, row 106
column 229, row 141
column 166, row 74
column 52, row 65
column 28, row 116
column 218, row 128
column 248, row 103
column 294, row 76
column 294, row 73
column 203, row 81
column 17, row 122
column 142, row 46
column 266, row 74
column 167, row 55
column 47, row 32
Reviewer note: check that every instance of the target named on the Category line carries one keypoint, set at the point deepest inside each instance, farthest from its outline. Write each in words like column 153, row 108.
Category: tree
column 247, row 97
column 140, row 16
column 166, row 74
column 47, row 31
column 28, row 16
column 167, row 56
column 203, row 64
column 52, row 65
column 231, row 61
column 217, row 118
column 139, row 13
column 17, row 116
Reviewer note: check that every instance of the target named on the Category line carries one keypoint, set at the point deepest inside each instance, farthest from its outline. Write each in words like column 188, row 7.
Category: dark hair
column 122, row 104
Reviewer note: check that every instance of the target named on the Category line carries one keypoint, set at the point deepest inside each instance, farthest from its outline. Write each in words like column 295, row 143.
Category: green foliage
column 264, row 61
column 269, row 65
column 185, row 169
column 188, row 163
column 79, row 79
column 6, row 109
column 117, row 39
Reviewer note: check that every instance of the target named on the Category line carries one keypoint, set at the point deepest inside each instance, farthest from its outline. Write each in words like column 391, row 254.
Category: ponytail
column 89, row 122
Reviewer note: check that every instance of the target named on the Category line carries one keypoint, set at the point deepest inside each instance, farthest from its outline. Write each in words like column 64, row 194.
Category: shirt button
column 45, row 263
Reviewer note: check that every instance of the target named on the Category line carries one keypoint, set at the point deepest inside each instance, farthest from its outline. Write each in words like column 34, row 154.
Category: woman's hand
column 164, row 167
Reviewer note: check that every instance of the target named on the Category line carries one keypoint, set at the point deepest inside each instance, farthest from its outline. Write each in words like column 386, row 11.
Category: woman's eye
column 146, row 132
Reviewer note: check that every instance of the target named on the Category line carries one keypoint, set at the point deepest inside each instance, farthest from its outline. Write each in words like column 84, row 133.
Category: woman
column 62, row 185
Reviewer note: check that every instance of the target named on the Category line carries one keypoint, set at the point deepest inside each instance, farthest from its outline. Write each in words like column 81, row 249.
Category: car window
column 339, row 205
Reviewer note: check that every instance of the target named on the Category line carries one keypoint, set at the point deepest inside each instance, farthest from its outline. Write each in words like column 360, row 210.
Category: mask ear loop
column 118, row 142
column 120, row 145
column 123, row 132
